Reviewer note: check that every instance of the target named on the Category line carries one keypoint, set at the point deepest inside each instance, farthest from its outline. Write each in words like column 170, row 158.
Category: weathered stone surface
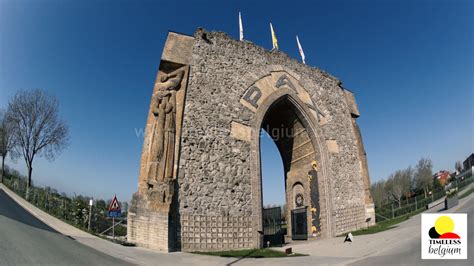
column 234, row 89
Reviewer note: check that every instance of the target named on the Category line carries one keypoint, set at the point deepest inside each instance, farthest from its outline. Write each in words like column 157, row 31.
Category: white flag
column 301, row 49
column 241, row 28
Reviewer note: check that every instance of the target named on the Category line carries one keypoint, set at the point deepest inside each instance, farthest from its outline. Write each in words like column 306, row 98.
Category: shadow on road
column 241, row 258
column 10, row 209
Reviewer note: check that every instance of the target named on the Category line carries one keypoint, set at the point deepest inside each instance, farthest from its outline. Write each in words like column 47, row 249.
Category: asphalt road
column 25, row 240
column 410, row 253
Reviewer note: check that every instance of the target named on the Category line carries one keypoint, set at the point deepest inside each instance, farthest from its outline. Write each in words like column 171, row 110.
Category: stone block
column 352, row 103
column 178, row 49
column 332, row 146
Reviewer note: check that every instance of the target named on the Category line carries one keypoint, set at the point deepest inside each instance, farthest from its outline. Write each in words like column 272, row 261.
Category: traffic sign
column 114, row 208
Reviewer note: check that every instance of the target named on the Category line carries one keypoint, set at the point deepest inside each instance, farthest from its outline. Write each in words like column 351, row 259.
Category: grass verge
column 250, row 253
column 389, row 224
column 386, row 225
column 467, row 193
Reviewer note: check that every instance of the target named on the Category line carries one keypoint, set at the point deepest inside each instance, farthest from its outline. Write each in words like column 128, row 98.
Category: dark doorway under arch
column 285, row 126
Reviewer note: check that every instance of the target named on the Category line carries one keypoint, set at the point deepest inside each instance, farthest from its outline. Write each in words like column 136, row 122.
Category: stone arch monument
column 199, row 185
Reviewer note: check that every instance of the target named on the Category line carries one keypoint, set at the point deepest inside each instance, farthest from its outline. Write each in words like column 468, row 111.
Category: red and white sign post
column 114, row 211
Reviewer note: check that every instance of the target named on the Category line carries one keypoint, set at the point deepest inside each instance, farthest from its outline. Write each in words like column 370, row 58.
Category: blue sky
column 409, row 63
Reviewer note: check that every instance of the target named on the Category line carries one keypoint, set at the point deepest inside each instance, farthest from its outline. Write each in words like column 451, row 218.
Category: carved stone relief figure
column 315, row 208
column 163, row 137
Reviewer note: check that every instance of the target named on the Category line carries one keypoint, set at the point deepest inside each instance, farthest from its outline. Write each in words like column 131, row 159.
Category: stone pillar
column 153, row 219
column 369, row 202
column 364, row 168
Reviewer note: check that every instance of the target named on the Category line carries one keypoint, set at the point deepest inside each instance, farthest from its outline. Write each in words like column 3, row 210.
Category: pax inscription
column 252, row 96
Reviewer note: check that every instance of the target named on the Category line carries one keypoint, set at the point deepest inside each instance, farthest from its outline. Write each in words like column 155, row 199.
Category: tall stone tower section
column 364, row 166
column 153, row 215
column 200, row 180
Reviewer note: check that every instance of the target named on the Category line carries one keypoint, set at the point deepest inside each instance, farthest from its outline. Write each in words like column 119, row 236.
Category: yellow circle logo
column 444, row 224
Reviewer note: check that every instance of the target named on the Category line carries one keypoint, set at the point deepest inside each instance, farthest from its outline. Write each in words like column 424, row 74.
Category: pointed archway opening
column 273, row 191
column 300, row 218
column 273, row 175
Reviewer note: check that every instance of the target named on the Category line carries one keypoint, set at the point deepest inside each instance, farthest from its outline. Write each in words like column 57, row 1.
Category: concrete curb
column 134, row 255
column 452, row 210
column 46, row 218
column 63, row 227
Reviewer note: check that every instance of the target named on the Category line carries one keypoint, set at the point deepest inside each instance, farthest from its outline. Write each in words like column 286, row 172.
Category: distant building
column 468, row 163
column 442, row 176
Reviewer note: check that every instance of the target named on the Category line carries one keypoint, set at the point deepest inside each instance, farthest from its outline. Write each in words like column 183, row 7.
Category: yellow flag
column 274, row 38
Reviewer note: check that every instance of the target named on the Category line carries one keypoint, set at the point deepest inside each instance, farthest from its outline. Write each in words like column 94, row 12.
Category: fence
column 73, row 210
column 62, row 207
column 413, row 204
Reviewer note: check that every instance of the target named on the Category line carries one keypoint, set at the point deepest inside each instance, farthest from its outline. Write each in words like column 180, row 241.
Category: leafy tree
column 99, row 216
column 79, row 211
column 424, row 175
column 437, row 184
column 36, row 128
column 458, row 166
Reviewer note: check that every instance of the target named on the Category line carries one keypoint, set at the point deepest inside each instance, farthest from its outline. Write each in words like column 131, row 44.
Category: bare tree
column 379, row 193
column 458, row 167
column 409, row 181
column 6, row 140
column 391, row 189
column 283, row 212
column 399, row 184
column 376, row 193
column 424, row 175
column 37, row 129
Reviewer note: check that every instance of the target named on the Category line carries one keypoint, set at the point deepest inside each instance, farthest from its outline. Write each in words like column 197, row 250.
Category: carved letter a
column 284, row 80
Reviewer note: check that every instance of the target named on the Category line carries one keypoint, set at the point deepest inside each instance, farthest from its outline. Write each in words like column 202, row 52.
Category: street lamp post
column 90, row 214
